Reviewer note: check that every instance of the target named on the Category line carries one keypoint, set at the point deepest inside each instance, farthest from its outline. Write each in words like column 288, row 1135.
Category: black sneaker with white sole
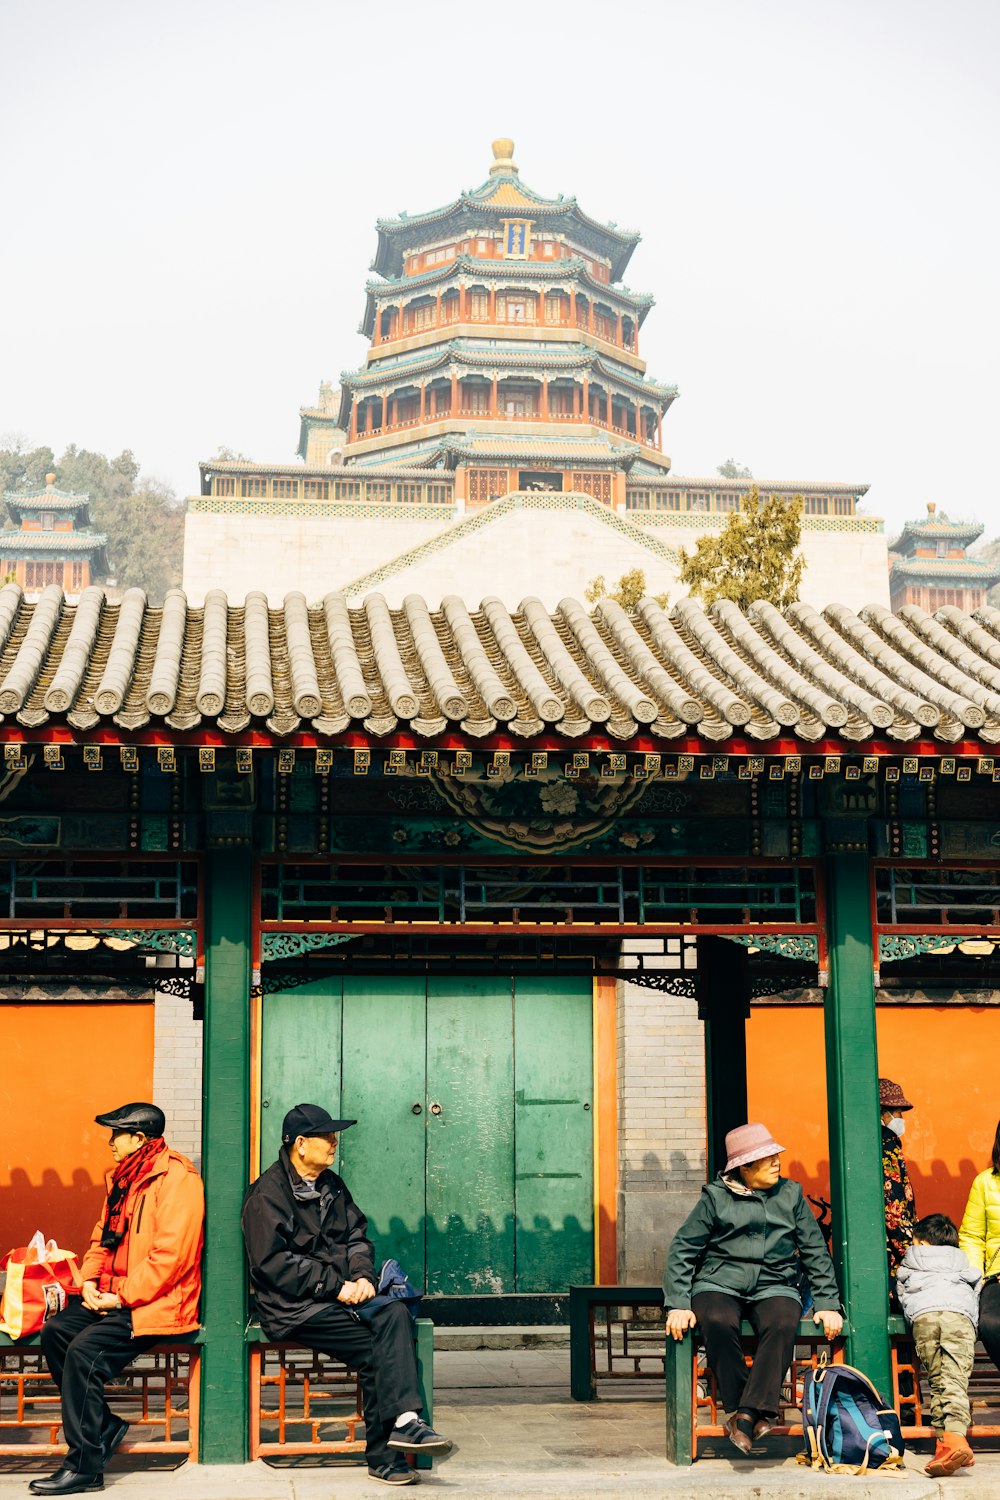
column 416, row 1437
column 394, row 1471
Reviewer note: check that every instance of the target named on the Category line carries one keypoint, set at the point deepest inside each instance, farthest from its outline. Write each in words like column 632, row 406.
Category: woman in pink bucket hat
column 741, row 1253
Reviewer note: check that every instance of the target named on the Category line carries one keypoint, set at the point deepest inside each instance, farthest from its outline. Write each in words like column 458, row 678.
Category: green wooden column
column 853, row 1111
column 225, row 1155
column 723, row 989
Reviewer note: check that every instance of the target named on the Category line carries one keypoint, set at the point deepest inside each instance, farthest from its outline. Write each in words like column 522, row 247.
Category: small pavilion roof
column 502, row 195
column 705, row 676
column 948, row 570
column 48, row 498
column 936, row 527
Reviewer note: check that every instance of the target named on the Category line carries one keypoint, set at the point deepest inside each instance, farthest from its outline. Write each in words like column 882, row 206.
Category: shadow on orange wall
column 60, row 1065
column 942, row 1056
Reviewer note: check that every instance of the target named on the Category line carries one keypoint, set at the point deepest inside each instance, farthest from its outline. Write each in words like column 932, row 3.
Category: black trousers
column 989, row 1320
column 382, row 1352
column 775, row 1321
column 83, row 1350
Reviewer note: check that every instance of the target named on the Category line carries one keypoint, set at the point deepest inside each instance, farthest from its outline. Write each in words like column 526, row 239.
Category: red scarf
column 127, row 1172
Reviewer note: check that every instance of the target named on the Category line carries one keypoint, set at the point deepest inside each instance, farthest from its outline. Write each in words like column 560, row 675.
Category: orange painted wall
column 944, row 1058
column 60, row 1065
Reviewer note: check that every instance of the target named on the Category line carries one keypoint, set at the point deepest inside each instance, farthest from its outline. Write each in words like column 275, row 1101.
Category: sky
column 190, row 194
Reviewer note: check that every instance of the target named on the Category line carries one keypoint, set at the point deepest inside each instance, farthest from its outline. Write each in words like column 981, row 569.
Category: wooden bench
column 637, row 1344
column 298, row 1393
column 160, row 1390
column 692, row 1403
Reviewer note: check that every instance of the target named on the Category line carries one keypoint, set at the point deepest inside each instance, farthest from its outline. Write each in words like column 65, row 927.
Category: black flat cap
column 137, row 1117
column 310, row 1119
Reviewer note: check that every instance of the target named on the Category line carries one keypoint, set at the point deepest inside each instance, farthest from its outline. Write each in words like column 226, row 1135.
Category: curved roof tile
column 330, row 666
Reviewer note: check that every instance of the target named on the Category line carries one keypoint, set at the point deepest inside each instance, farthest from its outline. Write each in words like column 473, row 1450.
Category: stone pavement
column 517, row 1432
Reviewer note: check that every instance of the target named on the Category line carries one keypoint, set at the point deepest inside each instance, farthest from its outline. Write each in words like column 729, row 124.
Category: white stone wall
column 550, row 553
column 177, row 1072
column 279, row 553
column 661, row 1125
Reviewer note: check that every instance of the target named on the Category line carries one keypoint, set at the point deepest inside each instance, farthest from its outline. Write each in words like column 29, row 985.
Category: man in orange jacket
column 141, row 1283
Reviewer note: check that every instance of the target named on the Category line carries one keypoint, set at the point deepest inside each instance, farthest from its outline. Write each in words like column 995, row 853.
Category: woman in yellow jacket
column 979, row 1237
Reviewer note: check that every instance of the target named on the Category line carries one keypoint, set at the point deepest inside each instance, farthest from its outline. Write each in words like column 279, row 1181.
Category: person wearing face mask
column 900, row 1208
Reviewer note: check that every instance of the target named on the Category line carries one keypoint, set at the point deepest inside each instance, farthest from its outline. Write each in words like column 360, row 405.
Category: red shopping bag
column 40, row 1277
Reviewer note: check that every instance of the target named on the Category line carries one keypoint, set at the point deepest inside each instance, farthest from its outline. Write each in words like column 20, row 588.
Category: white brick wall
column 661, row 1124
column 177, row 1072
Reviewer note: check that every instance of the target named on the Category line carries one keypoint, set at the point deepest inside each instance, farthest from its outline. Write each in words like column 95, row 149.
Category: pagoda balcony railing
column 364, row 434
column 450, row 319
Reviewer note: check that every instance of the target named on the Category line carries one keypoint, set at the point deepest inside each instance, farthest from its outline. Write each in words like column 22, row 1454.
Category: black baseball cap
column 310, row 1119
column 137, row 1118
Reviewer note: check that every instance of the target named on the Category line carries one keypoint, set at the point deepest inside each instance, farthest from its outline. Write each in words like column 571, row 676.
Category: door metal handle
column 435, row 1109
column 417, row 1109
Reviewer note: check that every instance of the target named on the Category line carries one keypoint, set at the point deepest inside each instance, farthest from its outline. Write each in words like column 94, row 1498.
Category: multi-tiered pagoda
column 503, row 391
column 505, row 346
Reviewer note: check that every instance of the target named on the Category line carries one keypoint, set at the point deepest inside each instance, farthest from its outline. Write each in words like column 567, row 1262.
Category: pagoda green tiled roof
column 946, row 569
column 502, row 196
column 936, row 527
column 52, row 541
column 516, row 355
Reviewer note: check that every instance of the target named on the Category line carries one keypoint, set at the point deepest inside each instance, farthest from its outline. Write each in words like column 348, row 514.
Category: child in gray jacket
column 939, row 1293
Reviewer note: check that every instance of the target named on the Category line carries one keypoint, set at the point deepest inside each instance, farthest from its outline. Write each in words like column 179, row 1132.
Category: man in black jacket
column 311, row 1265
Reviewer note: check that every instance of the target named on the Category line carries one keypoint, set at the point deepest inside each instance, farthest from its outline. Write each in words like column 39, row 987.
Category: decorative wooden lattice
column 486, row 484
column 302, row 1402
column 158, row 1396
column 588, row 482
column 707, row 1408
column 913, row 1405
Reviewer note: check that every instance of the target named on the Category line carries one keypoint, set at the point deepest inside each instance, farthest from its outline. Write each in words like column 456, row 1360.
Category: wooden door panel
column 300, row 1055
column 554, row 1133
column 470, row 1143
column 382, row 1157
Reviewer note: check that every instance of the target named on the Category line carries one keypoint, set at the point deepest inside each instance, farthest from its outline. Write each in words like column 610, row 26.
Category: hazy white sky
column 190, row 192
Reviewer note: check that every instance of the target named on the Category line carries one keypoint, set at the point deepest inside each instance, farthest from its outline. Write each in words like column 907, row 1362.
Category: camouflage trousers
column 946, row 1344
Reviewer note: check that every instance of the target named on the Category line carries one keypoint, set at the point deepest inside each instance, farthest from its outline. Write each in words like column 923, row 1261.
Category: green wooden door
column 553, row 1133
column 300, row 1055
column 473, row 1155
column 382, row 1157
column 470, row 1136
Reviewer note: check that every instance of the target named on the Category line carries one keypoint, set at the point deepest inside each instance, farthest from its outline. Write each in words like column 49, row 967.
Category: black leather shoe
column 66, row 1481
column 112, row 1437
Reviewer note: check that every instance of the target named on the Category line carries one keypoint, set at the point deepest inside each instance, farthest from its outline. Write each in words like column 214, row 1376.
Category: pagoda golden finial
column 503, row 159
column 50, row 480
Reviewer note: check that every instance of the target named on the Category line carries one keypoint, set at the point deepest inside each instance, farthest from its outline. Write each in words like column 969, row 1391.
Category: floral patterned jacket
column 900, row 1210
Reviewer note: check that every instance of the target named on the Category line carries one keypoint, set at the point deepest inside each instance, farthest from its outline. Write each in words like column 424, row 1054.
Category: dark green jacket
column 751, row 1245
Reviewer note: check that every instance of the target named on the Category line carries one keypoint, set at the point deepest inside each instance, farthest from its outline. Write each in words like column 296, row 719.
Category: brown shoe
column 761, row 1428
column 951, row 1454
column 738, row 1434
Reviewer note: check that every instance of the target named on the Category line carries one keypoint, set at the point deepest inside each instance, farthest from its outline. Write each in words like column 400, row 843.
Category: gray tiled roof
column 331, row 666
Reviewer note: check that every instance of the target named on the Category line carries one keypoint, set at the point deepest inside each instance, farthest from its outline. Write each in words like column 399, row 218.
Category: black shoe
column 394, row 1471
column 112, row 1437
column 417, row 1437
column 66, row 1481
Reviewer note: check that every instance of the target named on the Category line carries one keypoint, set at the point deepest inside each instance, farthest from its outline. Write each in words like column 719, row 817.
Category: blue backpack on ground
column 846, row 1425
